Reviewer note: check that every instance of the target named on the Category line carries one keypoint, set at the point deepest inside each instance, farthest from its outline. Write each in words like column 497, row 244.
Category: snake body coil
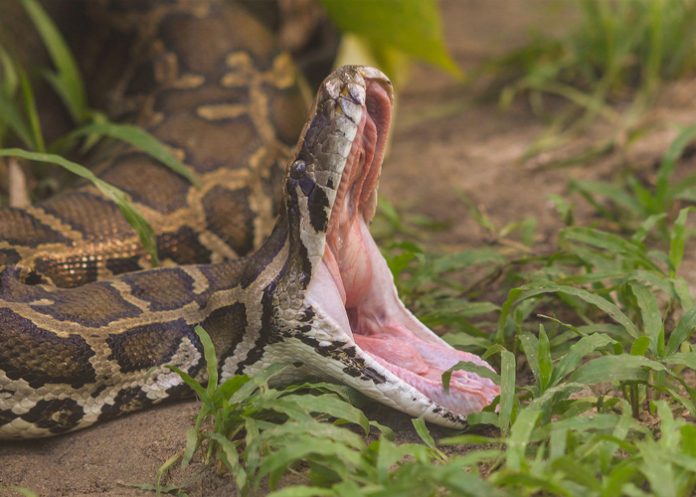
column 277, row 265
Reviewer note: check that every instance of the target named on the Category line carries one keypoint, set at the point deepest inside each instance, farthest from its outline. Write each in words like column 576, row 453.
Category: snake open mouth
column 356, row 288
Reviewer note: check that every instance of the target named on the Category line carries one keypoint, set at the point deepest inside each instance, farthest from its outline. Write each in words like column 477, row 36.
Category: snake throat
column 354, row 286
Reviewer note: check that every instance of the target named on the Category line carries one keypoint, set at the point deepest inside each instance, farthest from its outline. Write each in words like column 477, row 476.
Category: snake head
column 336, row 308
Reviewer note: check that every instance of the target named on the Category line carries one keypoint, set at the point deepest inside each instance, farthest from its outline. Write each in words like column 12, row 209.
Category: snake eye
column 298, row 169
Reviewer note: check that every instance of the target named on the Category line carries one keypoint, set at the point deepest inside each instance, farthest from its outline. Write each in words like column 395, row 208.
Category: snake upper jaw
column 354, row 328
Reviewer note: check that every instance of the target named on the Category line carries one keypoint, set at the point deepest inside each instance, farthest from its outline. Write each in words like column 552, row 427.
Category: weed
column 594, row 359
column 616, row 52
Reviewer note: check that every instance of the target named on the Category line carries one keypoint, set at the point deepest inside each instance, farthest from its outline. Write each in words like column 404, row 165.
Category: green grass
column 591, row 339
column 615, row 52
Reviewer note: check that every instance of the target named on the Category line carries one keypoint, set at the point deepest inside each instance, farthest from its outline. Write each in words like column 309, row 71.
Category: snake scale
column 270, row 254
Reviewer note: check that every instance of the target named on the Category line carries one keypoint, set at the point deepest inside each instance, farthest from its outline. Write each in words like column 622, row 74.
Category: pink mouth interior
column 357, row 274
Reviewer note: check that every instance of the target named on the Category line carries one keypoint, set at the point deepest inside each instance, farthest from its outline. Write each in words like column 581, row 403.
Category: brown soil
column 446, row 141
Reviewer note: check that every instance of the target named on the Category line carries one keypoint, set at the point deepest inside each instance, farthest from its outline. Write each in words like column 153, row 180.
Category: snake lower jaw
column 365, row 310
column 353, row 292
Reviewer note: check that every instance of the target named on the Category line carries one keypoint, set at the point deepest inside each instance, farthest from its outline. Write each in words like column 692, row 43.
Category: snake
column 270, row 253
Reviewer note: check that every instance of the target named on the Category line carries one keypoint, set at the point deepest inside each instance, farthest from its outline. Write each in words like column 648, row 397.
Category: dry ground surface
column 446, row 141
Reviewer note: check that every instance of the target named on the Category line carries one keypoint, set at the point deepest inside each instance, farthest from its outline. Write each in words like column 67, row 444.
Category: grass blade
column 134, row 218
column 67, row 80
column 140, row 139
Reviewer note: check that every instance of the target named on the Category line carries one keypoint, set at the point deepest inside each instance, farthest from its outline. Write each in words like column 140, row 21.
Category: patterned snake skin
column 86, row 334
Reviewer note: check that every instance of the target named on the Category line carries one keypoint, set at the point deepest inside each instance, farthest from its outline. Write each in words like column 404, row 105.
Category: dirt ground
column 445, row 141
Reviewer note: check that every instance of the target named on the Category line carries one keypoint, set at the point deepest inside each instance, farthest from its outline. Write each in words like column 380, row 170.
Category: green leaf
column 10, row 78
column 467, row 258
column 507, row 389
column 140, row 139
column 677, row 241
column 231, row 459
column 137, row 222
column 669, row 161
column 30, row 111
column 423, row 433
column 11, row 117
column 682, row 331
column 410, row 26
column 191, row 446
column 687, row 359
column 66, row 81
column 190, row 382
column 586, row 345
column 640, row 346
column 333, row 406
column 623, row 367
column 530, row 347
column 650, row 314
column 520, row 294
column 482, row 371
column 210, row 359
column 300, row 491
column 26, row 492
column 613, row 244
column 545, row 362
column 520, row 434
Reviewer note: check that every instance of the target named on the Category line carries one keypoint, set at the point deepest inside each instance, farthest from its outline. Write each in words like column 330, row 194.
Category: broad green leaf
column 467, row 258
column 66, row 81
column 687, row 359
column 301, row 491
column 669, row 161
column 520, row 434
column 137, row 222
column 482, row 371
column 650, row 314
column 520, row 294
column 31, row 112
column 684, row 329
column 677, row 241
column 410, row 26
column 530, row 347
column 424, row 433
column 231, row 459
column 210, row 359
column 545, row 363
column 140, row 139
column 646, row 227
column 190, row 382
column 10, row 78
column 12, row 118
column 577, row 472
column 462, row 483
column 274, row 464
column 611, row 191
column 164, row 469
column 191, row 446
column 640, row 345
column 624, row 367
column 26, row 492
column 603, row 240
column 586, row 345
column 333, row 406
column 507, row 389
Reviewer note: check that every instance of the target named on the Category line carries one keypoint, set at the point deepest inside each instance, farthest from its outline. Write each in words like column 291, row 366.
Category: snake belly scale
column 274, row 262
